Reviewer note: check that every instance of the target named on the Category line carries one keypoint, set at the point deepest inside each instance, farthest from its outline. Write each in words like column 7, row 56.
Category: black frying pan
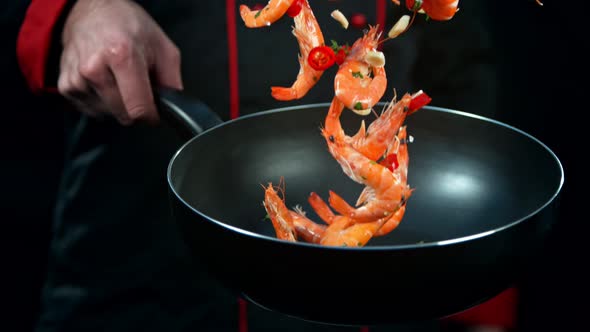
column 483, row 205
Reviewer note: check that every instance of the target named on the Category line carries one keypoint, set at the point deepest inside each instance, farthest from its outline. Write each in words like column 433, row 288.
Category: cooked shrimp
column 321, row 208
column 294, row 225
column 386, row 190
column 392, row 223
column 306, row 229
column 397, row 161
column 401, row 174
column 358, row 84
column 440, row 10
column 289, row 225
column 309, row 35
column 272, row 12
column 374, row 141
column 342, row 233
column 381, row 205
column 281, row 218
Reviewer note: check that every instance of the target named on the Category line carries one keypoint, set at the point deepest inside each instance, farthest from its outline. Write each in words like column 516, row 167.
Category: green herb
column 358, row 106
column 417, row 5
column 335, row 46
column 357, row 74
column 258, row 14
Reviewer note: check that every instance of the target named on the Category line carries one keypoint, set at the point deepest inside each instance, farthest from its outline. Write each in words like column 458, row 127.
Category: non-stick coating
column 482, row 208
column 470, row 175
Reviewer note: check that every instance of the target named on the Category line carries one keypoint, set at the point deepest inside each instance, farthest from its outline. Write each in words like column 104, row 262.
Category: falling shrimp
column 376, row 156
column 373, row 141
column 358, row 84
column 289, row 225
column 309, row 35
column 272, row 12
column 387, row 190
column 293, row 225
column 400, row 171
column 342, row 233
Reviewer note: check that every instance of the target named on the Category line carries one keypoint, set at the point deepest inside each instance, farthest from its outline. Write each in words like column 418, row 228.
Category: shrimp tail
column 321, row 208
column 340, row 205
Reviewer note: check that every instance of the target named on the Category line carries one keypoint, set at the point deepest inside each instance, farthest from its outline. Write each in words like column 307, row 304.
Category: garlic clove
column 399, row 27
column 375, row 58
column 338, row 16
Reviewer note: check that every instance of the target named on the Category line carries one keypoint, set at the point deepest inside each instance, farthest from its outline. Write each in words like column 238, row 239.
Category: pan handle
column 188, row 117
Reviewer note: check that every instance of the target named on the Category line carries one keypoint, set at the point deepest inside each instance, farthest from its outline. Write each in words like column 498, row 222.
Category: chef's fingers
column 130, row 70
column 167, row 59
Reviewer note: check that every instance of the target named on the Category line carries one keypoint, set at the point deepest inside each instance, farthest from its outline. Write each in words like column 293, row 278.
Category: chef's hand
column 113, row 53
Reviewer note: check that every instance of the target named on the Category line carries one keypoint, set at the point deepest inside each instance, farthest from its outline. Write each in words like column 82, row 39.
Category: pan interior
column 471, row 175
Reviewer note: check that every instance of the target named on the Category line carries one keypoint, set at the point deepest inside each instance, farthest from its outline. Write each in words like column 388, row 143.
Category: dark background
column 532, row 78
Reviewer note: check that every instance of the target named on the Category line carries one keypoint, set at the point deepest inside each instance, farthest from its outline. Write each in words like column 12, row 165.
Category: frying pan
column 485, row 200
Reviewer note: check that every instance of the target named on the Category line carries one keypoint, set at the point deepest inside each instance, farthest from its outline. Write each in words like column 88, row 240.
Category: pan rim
column 423, row 245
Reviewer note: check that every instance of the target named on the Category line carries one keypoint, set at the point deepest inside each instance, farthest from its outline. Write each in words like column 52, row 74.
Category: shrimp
column 342, row 233
column 272, row 12
column 392, row 223
column 401, row 174
column 281, row 218
column 289, row 225
column 386, row 189
column 398, row 166
column 321, row 208
column 294, row 225
column 374, row 141
column 309, row 35
column 439, row 10
column 306, row 229
column 381, row 205
column 358, row 84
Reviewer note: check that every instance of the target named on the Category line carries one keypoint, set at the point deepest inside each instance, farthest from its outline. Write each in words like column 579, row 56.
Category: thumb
column 166, row 68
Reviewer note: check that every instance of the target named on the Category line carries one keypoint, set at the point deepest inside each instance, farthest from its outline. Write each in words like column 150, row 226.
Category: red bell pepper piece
column 419, row 100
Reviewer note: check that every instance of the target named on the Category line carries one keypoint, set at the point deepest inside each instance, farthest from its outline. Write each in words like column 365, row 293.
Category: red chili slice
column 419, row 100
column 294, row 9
column 340, row 56
column 321, row 57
